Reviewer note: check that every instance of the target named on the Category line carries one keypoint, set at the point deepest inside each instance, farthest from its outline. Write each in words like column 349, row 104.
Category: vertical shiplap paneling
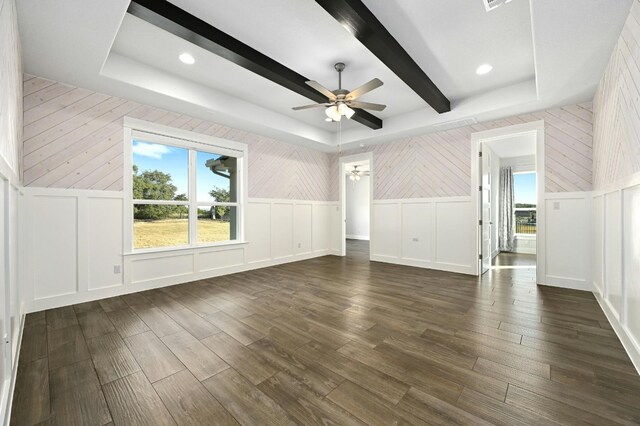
column 617, row 109
column 73, row 139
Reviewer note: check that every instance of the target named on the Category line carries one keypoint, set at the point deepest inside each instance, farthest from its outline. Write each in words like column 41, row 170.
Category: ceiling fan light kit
column 341, row 102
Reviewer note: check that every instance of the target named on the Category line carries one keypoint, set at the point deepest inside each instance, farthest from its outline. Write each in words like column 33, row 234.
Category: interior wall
column 357, row 205
column 73, row 174
column 440, row 175
column 616, row 202
column 441, row 164
column 11, row 309
column 73, row 138
column 75, row 241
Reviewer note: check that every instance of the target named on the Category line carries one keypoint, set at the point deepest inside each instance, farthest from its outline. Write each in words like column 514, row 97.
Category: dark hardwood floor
column 330, row 341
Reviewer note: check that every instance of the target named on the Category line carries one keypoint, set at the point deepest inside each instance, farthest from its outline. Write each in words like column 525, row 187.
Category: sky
column 524, row 188
column 175, row 161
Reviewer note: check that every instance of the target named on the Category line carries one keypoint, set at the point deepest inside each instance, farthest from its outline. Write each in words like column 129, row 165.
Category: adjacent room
column 320, row 212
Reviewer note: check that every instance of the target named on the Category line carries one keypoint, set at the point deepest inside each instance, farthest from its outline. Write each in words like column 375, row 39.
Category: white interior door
column 485, row 163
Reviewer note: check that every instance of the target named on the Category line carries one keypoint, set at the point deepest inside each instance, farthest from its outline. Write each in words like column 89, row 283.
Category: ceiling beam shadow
column 362, row 23
column 179, row 22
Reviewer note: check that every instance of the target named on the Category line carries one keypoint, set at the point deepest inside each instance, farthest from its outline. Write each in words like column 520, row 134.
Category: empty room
column 320, row 212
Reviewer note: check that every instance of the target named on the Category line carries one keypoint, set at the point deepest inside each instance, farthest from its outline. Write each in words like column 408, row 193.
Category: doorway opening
column 356, row 192
column 508, row 197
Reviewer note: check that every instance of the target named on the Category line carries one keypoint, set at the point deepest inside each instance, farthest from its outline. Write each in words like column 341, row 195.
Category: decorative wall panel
column 617, row 109
column 439, row 164
column 73, row 139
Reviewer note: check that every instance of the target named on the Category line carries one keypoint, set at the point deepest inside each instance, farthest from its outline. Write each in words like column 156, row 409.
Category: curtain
column 506, row 223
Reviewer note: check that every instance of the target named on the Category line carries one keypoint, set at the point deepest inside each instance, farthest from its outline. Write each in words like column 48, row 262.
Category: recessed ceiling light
column 484, row 69
column 186, row 59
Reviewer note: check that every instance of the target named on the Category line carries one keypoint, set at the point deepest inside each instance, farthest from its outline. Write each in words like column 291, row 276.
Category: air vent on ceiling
column 454, row 124
column 492, row 4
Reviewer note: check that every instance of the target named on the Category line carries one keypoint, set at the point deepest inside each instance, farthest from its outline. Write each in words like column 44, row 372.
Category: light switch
column 556, row 205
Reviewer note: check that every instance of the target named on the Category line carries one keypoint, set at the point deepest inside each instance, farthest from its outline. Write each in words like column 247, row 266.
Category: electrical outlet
column 556, row 205
column 117, row 269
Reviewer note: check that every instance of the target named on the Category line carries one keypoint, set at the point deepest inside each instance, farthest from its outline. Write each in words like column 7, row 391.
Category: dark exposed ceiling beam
column 362, row 23
column 179, row 22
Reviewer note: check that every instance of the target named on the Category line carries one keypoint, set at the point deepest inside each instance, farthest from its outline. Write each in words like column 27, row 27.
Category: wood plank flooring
column 331, row 341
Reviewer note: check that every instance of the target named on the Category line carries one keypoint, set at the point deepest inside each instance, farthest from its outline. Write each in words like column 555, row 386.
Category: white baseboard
column 7, row 403
column 631, row 346
column 119, row 290
column 357, row 237
column 564, row 282
column 417, row 263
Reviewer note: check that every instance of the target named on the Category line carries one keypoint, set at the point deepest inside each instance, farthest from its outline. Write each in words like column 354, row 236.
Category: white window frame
column 135, row 129
column 527, row 209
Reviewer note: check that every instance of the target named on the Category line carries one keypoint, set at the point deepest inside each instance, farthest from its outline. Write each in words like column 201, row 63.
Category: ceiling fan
column 355, row 174
column 342, row 102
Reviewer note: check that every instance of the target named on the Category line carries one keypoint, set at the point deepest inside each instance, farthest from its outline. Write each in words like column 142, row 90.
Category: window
column 524, row 193
column 184, row 193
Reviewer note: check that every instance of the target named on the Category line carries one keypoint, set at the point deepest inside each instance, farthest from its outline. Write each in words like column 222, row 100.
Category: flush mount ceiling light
column 186, row 58
column 484, row 69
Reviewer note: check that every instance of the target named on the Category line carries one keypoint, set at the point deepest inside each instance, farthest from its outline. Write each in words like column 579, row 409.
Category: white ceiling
column 544, row 53
column 514, row 146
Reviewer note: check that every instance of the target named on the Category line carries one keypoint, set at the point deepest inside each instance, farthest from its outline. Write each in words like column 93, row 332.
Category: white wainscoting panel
column 418, row 240
column 433, row 233
column 323, row 218
column 282, row 230
column 104, row 232
column 597, row 268
column 302, row 232
column 616, row 253
column 213, row 260
column 75, row 246
column 386, row 226
column 631, row 250
column 53, row 245
column 613, row 251
column 454, row 242
column 567, row 240
column 258, row 226
column 156, row 267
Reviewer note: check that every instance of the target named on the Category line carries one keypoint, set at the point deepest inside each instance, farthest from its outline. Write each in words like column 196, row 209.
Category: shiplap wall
column 617, row 109
column 73, row 139
column 616, row 198
column 438, row 164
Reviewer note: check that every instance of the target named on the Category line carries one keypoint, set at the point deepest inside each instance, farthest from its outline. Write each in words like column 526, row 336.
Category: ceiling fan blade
column 365, row 88
column 320, row 88
column 308, row 106
column 367, row 105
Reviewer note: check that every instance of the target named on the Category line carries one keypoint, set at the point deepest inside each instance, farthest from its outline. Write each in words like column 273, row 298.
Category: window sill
column 526, row 236
column 220, row 245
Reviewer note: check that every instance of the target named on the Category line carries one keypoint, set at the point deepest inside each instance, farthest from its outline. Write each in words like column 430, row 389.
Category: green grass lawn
column 175, row 232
